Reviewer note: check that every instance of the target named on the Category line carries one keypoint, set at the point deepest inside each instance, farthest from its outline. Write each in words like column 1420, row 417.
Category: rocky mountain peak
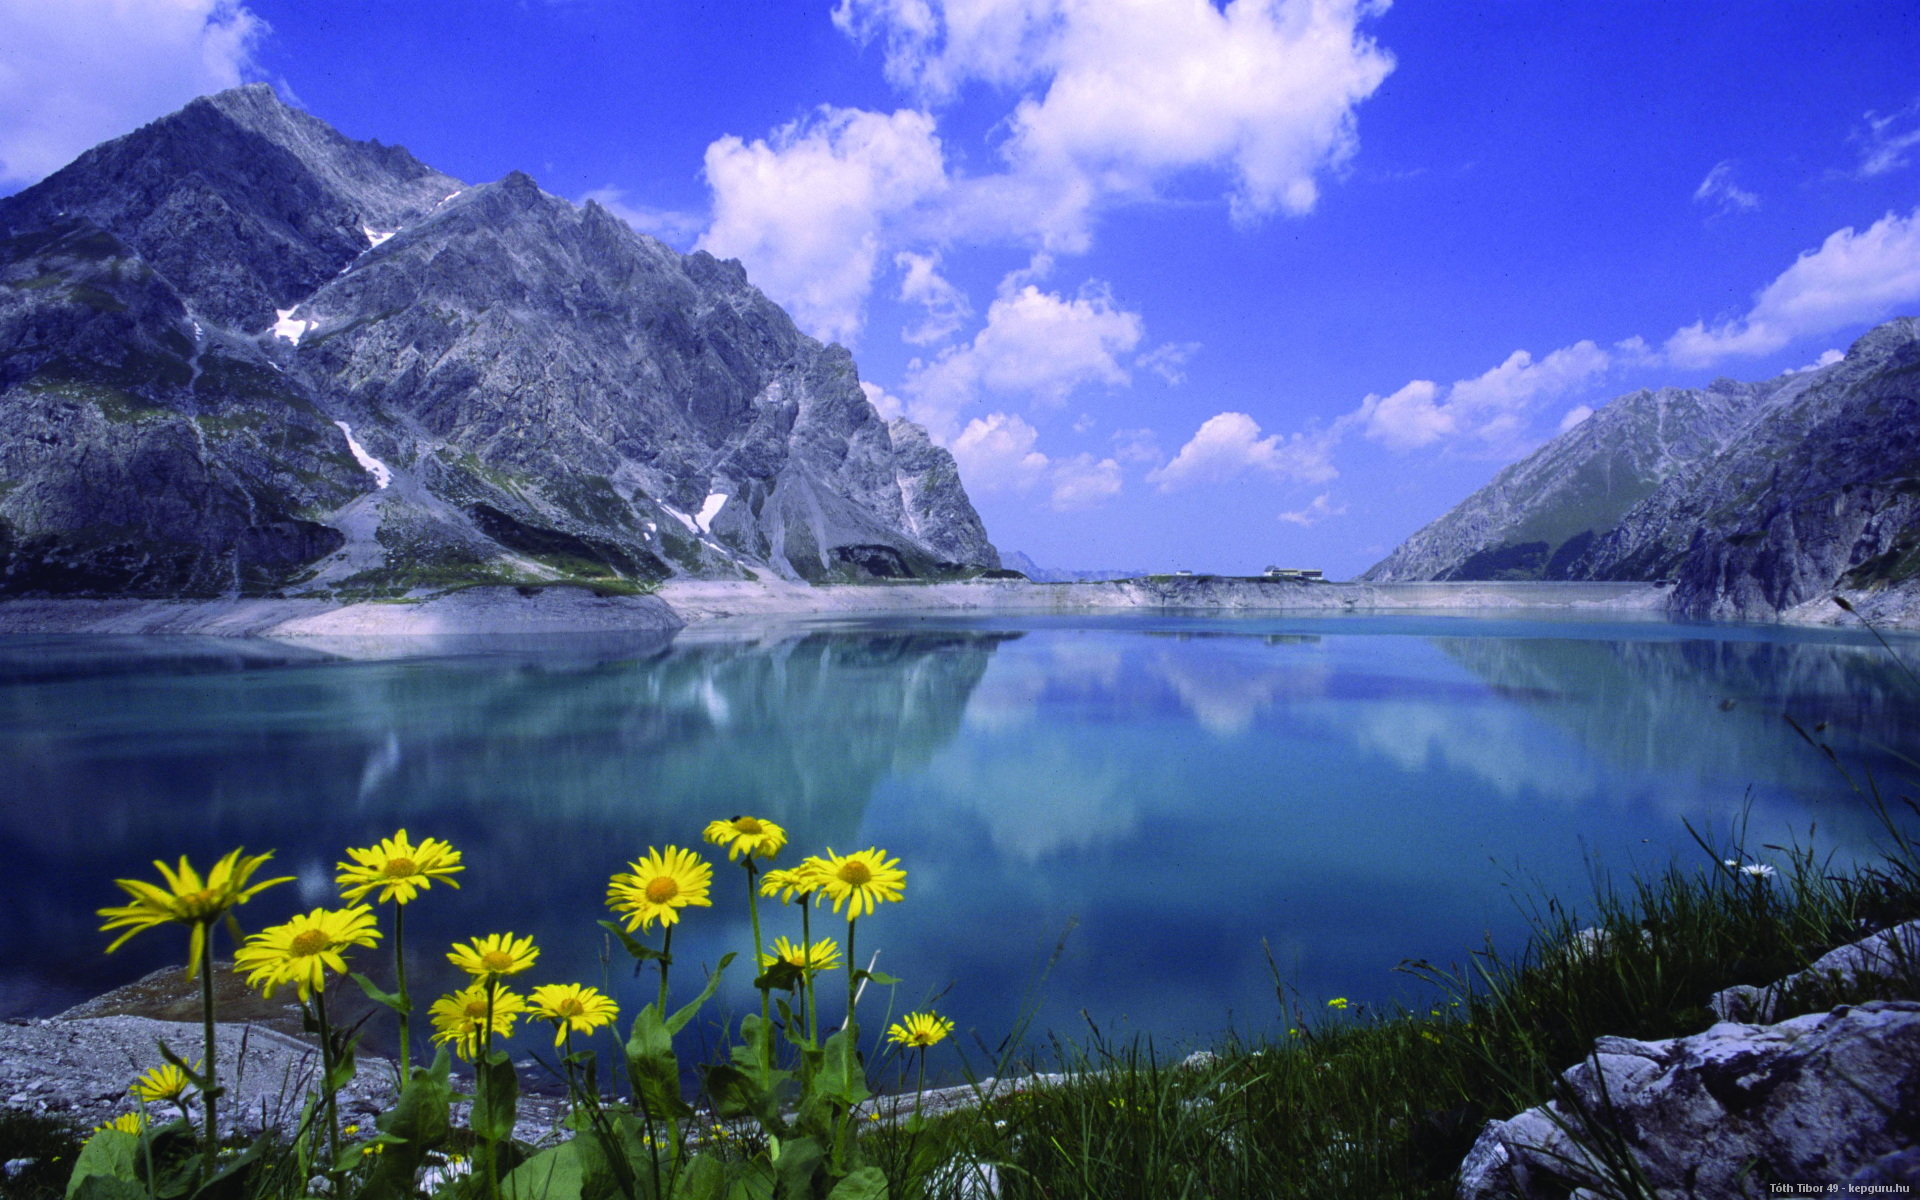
column 406, row 381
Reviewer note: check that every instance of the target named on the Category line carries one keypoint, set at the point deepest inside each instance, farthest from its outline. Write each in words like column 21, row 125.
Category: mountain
column 241, row 353
column 1019, row 561
column 1751, row 497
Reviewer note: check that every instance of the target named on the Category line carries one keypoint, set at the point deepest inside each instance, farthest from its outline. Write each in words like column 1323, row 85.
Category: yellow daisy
column 126, row 1122
column 822, row 955
column 164, row 1082
column 788, row 882
column 493, row 955
column 860, row 880
column 460, row 1017
column 187, row 899
column 398, row 868
column 920, row 1029
column 303, row 950
column 572, row 1008
column 659, row 886
column 750, row 836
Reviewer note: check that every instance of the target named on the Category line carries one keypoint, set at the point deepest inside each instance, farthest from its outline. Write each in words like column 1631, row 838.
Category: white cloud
column 1887, row 140
column 1493, row 407
column 888, row 405
column 1720, row 193
column 1229, row 444
column 1852, row 277
column 77, row 72
column 1039, row 345
column 1827, row 358
column 1168, row 360
column 921, row 283
column 1317, row 510
column 997, row 453
column 1575, row 416
column 1137, row 446
column 810, row 209
column 1117, row 99
column 677, row 229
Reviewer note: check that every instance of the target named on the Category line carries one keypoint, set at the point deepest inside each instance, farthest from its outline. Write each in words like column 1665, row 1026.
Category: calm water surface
column 1165, row 799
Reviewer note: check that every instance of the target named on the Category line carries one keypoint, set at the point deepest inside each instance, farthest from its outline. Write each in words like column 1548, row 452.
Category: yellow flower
column 660, row 885
column 459, row 1017
column 822, row 955
column 860, row 880
column 788, row 882
column 164, row 1082
column 493, row 955
column 398, row 868
column 920, row 1029
column 750, row 836
column 573, row 1008
column 301, row 951
column 187, row 899
column 126, row 1122
column 1337, row 1002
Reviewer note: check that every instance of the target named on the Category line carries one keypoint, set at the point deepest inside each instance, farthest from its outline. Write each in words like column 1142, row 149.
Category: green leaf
column 879, row 977
column 641, row 953
column 652, row 1068
column 109, row 1155
column 867, row 1183
column 704, row 1179
column 841, row 1078
column 679, row 1020
column 496, row 1097
column 800, row 1159
column 557, row 1173
column 344, row 1067
column 782, row 976
column 417, row 1124
column 392, row 1000
column 103, row 1187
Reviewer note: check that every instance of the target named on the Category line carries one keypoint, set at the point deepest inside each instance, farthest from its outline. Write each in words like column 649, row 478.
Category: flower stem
column 212, row 1132
column 327, row 1098
column 400, row 988
column 753, row 910
column 666, row 960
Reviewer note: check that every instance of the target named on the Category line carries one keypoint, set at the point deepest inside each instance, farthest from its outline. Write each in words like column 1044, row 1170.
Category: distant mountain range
column 1751, row 498
column 243, row 354
column 1017, row 560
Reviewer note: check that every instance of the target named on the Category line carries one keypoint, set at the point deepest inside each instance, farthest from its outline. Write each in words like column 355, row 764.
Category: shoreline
column 692, row 603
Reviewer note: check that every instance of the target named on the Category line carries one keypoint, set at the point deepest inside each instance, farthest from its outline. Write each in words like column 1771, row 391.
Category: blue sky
column 1181, row 284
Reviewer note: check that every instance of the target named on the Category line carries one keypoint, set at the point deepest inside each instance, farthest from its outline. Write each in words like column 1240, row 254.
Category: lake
column 1168, row 807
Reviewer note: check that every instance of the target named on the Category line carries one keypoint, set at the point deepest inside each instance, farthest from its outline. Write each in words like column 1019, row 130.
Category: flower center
column 662, row 888
column 497, row 961
column 571, row 1007
column 477, row 1010
column 749, row 825
column 311, row 942
column 195, row 905
column 856, row 873
column 400, row 868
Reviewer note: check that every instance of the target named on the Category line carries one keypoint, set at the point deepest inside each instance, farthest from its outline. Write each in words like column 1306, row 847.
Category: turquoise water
column 1157, row 803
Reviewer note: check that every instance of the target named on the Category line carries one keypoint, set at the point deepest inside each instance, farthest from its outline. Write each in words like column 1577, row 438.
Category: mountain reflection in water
column 1179, row 791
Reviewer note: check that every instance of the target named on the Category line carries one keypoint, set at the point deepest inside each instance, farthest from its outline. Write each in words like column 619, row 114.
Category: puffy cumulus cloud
column 1036, row 344
column 810, row 209
column 1083, row 482
column 1853, row 277
column 1887, row 141
column 1229, row 445
column 78, row 72
column 1720, row 193
column 1119, row 97
column 678, row 229
column 946, row 305
column 884, row 402
column 1317, row 510
column 1494, row 407
column 998, row 452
